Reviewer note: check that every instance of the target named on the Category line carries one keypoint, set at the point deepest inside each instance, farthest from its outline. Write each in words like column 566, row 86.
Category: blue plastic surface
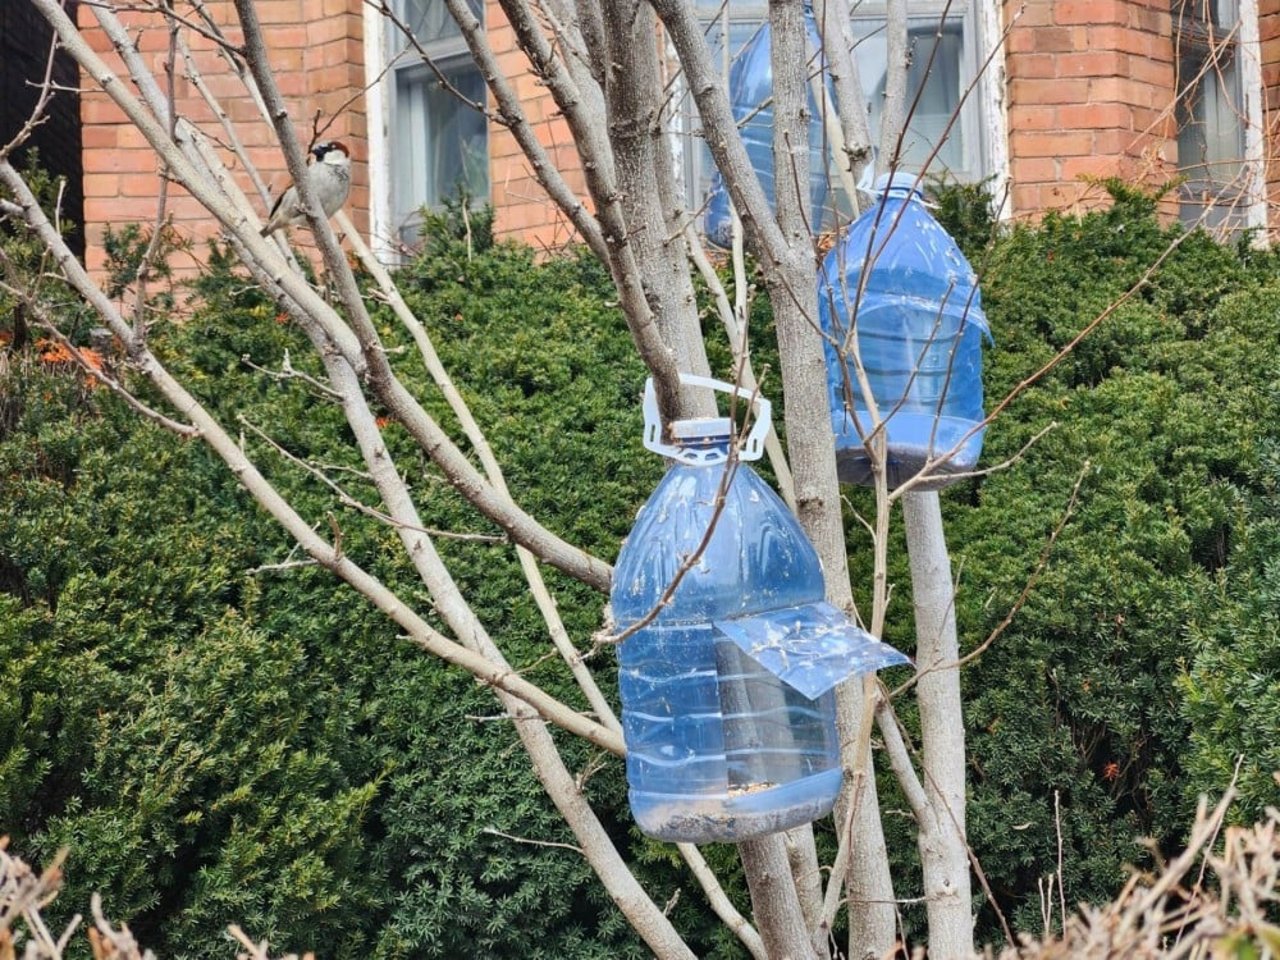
column 810, row 648
column 750, row 87
column 718, row 747
column 919, row 332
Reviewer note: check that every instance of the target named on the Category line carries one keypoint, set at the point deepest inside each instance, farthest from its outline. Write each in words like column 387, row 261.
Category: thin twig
column 348, row 500
column 533, row 843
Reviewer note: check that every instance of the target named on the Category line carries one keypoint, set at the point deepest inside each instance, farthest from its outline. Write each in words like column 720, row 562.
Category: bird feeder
column 751, row 99
column 903, row 318
column 727, row 680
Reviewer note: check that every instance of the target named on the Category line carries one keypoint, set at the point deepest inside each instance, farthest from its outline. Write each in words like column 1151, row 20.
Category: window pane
column 700, row 165
column 441, row 143
column 939, row 99
column 943, row 82
column 429, row 20
column 1211, row 127
column 1211, row 137
column 1218, row 13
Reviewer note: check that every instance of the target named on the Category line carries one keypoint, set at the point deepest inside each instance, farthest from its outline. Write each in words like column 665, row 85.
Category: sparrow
column 330, row 179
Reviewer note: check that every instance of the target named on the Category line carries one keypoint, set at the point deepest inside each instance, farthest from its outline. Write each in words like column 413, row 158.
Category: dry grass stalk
column 1230, row 909
column 24, row 934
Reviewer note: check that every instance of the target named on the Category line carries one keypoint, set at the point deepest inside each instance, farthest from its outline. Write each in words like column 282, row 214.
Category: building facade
column 1048, row 96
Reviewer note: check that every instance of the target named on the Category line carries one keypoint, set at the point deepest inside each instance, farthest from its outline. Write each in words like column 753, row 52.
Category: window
column 1210, row 112
column 439, row 142
column 944, row 81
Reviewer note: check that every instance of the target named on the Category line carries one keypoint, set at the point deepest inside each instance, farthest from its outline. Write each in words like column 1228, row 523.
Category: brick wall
column 316, row 52
column 1090, row 95
column 523, row 209
column 1269, row 35
column 25, row 37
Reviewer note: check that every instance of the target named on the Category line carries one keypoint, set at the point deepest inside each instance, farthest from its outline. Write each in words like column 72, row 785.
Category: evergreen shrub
column 218, row 742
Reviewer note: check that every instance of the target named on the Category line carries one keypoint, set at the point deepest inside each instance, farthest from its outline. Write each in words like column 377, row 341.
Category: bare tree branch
column 467, row 479
column 598, row 165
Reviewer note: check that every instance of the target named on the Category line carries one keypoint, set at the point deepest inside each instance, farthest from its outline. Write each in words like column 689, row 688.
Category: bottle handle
column 751, row 448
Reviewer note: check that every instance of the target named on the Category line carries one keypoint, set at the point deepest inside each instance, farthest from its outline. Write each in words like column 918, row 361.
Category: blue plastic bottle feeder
column 728, row 707
column 918, row 329
column 751, row 98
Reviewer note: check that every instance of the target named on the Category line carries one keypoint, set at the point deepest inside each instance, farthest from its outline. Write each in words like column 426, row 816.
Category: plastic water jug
column 728, row 706
column 751, row 97
column 918, row 330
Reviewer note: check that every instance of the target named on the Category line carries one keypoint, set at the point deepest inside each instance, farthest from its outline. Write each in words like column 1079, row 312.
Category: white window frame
column 1241, row 202
column 388, row 214
column 378, row 117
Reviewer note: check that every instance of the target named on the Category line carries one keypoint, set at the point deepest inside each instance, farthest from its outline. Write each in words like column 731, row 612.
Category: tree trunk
column 773, row 897
column 633, row 97
column 811, row 445
column 943, row 850
column 893, row 116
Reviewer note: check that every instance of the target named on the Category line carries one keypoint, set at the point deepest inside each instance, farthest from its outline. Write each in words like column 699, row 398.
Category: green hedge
column 1114, row 685
column 219, row 745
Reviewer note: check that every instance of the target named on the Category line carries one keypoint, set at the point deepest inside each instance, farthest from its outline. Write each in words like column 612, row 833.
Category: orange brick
column 1089, row 116
column 101, row 185
column 1158, row 123
column 1026, row 198
column 1152, row 71
column 97, row 109
column 1112, row 143
column 1034, row 169
column 1042, row 91
column 1020, row 40
column 334, row 53
column 281, row 11
column 1152, row 21
column 139, row 185
column 502, row 41
column 322, row 31
column 329, row 78
column 1034, row 118
column 1053, row 144
column 1057, row 39
column 98, row 138
column 1092, row 64
column 1120, row 39
column 124, row 161
column 1036, row 13
column 1090, row 11
column 1116, row 90
column 1076, row 167
column 285, row 36
column 114, row 211
column 1032, row 66
column 129, row 137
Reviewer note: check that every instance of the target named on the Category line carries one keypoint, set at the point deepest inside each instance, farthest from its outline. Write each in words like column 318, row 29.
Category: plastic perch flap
column 751, row 448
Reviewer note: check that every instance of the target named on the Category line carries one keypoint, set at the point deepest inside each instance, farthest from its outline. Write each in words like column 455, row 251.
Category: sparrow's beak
column 318, row 151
